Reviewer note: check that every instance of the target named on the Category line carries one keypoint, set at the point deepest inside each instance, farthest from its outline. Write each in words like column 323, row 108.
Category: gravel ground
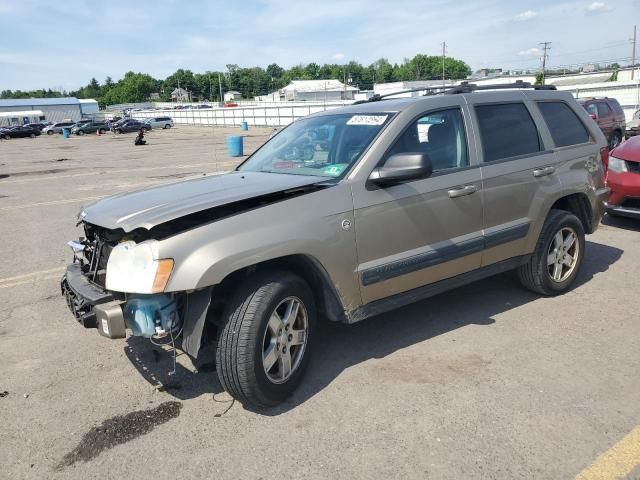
column 487, row 381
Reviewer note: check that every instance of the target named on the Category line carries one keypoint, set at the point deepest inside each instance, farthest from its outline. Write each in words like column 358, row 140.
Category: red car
column 623, row 178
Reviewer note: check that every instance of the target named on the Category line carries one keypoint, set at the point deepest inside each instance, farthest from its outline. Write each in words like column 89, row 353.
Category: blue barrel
column 66, row 132
column 244, row 126
column 234, row 145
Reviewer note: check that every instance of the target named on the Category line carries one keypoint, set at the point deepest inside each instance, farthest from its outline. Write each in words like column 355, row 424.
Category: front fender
column 309, row 225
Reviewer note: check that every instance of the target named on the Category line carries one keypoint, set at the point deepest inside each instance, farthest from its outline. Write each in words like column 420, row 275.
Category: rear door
column 422, row 231
column 518, row 171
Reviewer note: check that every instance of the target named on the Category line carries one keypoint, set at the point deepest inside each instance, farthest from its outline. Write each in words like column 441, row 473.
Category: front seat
column 442, row 146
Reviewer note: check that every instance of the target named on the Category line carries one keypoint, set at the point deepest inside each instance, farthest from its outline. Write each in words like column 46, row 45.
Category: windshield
column 324, row 146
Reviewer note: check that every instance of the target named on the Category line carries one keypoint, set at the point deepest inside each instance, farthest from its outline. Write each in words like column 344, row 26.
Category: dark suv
column 609, row 116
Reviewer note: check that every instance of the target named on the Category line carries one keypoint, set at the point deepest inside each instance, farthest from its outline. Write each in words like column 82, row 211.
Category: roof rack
column 464, row 87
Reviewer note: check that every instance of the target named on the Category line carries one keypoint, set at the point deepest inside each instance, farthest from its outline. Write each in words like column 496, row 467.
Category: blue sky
column 63, row 43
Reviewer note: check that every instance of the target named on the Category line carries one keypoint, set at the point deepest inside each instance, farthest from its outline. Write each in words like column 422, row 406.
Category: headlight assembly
column 617, row 165
column 135, row 268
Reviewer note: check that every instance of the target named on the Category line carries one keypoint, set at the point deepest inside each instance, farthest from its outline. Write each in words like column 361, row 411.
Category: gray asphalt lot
column 487, row 381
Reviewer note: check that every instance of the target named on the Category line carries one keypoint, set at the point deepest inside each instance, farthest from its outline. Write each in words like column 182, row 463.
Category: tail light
column 604, row 156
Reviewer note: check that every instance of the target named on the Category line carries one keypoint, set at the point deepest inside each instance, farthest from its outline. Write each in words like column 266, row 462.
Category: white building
column 311, row 90
column 180, row 95
column 20, row 117
column 51, row 109
column 232, row 95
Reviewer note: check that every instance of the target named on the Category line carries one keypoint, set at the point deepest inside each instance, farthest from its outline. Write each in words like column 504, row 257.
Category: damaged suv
column 343, row 215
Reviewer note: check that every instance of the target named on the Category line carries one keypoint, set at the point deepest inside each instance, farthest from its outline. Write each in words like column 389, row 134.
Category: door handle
column 462, row 191
column 543, row 172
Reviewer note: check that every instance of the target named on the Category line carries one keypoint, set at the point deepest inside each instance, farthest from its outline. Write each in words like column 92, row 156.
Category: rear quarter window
column 506, row 130
column 564, row 125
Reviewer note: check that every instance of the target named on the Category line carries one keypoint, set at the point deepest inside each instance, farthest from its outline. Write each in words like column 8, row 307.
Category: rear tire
column 264, row 346
column 49, row 132
column 80, row 132
column 7, row 137
column 33, row 135
column 102, row 131
column 167, row 126
column 556, row 260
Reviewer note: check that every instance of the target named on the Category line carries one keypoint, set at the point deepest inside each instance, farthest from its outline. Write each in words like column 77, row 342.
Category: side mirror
column 401, row 168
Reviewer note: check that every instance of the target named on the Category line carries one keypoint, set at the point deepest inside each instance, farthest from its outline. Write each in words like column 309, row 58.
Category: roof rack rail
column 377, row 97
column 464, row 87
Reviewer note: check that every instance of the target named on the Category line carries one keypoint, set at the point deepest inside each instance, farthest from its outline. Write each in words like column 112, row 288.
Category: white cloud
column 337, row 56
column 530, row 52
column 526, row 15
column 598, row 7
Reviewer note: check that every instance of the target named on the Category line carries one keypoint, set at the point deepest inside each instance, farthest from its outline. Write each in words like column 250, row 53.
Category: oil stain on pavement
column 118, row 430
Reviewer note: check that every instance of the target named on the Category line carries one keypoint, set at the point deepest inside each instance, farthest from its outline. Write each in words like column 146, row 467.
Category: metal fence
column 266, row 116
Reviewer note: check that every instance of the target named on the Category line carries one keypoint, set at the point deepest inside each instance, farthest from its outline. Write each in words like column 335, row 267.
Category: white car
column 159, row 122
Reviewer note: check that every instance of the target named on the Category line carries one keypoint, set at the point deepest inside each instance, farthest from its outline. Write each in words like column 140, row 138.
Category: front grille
column 631, row 203
column 633, row 166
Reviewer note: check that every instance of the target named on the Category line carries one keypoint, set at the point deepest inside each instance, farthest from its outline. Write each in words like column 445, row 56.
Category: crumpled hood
column 153, row 206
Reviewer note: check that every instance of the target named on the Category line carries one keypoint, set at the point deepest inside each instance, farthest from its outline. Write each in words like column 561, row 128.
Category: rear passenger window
column 603, row 110
column 507, row 130
column 564, row 125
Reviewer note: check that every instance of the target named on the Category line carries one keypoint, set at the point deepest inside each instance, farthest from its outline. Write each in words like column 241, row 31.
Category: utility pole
column 444, row 51
column 633, row 53
column 545, row 48
column 344, row 83
column 220, row 85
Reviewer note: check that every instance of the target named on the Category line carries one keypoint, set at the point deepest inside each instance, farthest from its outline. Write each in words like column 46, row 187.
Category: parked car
column 609, row 116
column 19, row 132
column 39, row 126
column 343, row 215
column 623, row 178
column 633, row 127
column 57, row 127
column 90, row 127
column 159, row 122
column 128, row 126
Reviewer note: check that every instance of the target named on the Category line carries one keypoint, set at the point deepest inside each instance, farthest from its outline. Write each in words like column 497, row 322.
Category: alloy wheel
column 285, row 340
column 563, row 254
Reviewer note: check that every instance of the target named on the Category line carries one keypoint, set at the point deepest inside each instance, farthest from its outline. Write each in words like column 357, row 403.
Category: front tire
column 264, row 346
column 49, row 132
column 555, row 262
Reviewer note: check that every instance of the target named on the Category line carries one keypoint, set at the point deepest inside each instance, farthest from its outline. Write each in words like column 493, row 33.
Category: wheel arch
column 579, row 205
column 307, row 267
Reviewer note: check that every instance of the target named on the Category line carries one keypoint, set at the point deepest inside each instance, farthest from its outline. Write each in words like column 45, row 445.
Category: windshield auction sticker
column 367, row 120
